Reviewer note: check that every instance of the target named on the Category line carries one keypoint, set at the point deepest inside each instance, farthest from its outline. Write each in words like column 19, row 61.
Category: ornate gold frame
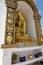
column 35, row 15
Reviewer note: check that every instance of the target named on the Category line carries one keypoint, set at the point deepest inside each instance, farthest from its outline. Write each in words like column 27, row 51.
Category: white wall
column 1, row 56
column 7, row 55
column 2, row 20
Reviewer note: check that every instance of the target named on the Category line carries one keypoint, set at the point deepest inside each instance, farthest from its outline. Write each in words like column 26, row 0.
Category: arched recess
column 36, row 19
column 32, row 4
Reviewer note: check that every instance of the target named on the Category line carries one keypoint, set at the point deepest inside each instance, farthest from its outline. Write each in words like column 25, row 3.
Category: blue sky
column 40, row 8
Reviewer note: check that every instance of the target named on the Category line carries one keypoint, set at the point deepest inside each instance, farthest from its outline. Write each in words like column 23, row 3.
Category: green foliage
column 14, row 56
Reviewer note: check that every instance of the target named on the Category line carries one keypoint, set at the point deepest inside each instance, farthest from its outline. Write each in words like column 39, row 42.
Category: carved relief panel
column 9, row 26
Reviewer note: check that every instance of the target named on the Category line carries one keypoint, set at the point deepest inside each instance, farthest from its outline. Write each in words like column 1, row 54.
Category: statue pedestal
column 9, row 46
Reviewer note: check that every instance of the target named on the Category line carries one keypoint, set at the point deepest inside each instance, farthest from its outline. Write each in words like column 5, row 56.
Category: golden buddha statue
column 20, row 28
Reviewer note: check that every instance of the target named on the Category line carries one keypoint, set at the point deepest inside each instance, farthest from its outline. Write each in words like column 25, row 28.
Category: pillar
column 37, row 18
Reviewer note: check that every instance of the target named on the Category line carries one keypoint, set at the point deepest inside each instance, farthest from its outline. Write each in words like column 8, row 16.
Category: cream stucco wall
column 2, row 20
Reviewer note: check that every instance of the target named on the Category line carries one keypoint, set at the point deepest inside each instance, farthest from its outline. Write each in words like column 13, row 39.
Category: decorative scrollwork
column 9, row 38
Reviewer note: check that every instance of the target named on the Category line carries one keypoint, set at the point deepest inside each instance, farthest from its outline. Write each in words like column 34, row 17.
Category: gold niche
column 20, row 28
column 16, row 24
